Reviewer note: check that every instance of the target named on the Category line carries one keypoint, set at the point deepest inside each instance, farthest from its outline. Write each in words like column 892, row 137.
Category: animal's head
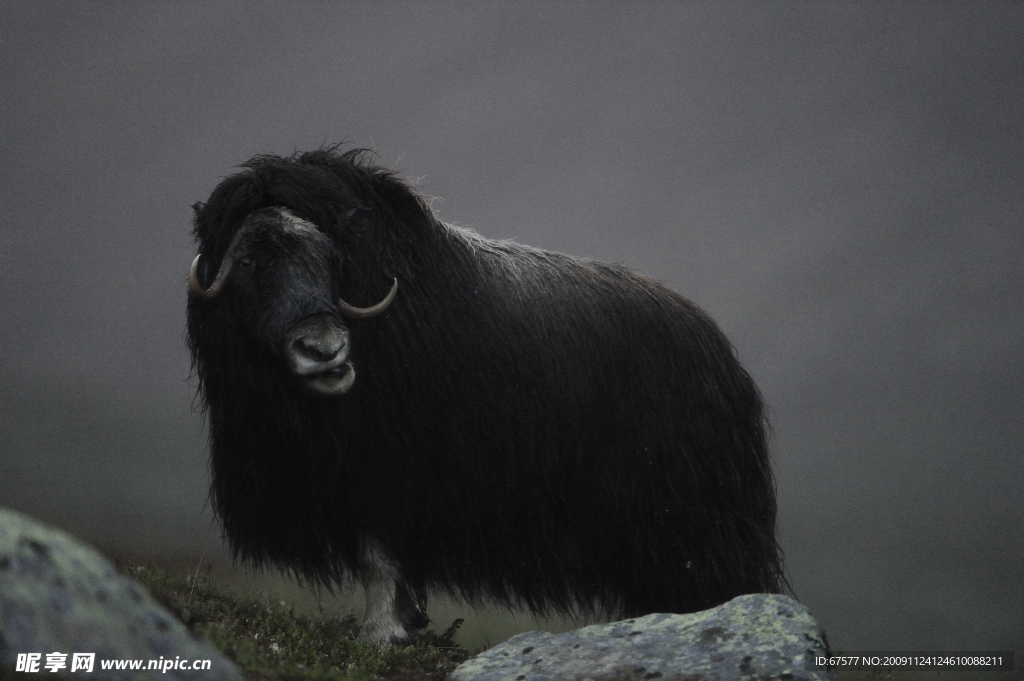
column 278, row 284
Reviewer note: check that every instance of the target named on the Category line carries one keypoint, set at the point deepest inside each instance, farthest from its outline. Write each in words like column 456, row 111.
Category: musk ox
column 403, row 402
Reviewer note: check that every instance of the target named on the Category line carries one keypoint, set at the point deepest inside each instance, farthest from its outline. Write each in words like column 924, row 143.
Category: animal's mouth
column 317, row 354
column 334, row 381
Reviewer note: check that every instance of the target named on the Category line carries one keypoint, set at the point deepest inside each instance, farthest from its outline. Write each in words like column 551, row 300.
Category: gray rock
column 759, row 636
column 58, row 595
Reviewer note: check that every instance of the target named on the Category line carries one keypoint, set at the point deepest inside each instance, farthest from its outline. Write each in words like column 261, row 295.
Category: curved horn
column 367, row 312
column 222, row 274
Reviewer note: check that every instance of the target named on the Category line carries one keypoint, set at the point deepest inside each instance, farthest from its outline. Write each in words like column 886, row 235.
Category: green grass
column 269, row 640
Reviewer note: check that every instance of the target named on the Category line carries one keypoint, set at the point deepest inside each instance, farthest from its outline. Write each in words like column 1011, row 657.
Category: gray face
column 283, row 280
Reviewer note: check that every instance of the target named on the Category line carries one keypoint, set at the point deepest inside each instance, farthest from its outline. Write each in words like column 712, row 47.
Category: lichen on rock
column 59, row 595
column 758, row 636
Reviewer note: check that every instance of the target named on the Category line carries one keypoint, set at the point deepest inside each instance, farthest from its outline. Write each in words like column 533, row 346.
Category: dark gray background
column 840, row 185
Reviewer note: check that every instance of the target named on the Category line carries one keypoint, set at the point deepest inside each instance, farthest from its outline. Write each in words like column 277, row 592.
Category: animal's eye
column 246, row 263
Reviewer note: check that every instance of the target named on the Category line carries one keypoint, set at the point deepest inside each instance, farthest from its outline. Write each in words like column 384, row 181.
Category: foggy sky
column 839, row 185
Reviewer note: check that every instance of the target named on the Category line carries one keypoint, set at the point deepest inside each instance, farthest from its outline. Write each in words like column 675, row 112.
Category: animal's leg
column 392, row 614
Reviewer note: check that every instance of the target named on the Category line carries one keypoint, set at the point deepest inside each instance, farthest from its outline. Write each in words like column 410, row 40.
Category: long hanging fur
column 526, row 427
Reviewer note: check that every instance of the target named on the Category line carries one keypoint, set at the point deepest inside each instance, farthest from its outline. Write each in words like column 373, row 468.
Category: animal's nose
column 321, row 346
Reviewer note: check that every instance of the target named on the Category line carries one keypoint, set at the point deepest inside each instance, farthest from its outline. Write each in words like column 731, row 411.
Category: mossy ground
column 269, row 640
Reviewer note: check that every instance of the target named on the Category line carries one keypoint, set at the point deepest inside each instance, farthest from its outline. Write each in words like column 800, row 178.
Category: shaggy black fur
column 525, row 426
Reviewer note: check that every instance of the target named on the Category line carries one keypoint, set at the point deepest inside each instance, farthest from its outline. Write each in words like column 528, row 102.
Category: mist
column 841, row 186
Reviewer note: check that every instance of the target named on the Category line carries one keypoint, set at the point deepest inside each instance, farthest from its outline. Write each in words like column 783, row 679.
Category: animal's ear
column 197, row 208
